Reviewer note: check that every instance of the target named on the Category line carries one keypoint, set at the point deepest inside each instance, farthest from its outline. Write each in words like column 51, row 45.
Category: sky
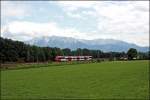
column 122, row 20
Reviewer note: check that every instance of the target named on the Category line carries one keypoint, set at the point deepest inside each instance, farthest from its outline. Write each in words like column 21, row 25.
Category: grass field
column 106, row 80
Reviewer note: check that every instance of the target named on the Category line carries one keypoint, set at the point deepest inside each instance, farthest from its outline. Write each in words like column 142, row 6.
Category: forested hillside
column 16, row 51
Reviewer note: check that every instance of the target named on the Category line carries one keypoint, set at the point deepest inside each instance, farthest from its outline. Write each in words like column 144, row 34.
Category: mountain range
column 105, row 45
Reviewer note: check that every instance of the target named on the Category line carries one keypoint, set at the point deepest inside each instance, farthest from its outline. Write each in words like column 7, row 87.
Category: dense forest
column 16, row 51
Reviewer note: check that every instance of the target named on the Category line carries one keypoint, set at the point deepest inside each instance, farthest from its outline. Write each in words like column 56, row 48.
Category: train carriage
column 72, row 58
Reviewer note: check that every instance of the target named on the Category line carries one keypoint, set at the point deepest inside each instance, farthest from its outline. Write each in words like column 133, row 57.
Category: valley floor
column 106, row 80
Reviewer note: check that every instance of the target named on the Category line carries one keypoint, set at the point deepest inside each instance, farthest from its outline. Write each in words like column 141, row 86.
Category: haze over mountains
column 72, row 43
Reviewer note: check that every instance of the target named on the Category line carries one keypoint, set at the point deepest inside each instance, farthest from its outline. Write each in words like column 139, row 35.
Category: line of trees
column 15, row 51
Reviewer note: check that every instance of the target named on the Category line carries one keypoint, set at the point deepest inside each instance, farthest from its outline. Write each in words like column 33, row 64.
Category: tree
column 132, row 53
column 66, row 52
column 79, row 52
column 53, row 54
column 85, row 52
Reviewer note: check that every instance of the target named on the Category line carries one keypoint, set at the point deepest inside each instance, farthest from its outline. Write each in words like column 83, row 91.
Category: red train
column 72, row 58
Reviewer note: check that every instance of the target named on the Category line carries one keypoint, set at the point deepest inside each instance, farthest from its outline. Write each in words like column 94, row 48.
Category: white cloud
column 32, row 29
column 70, row 7
column 126, row 20
column 70, row 14
column 75, row 5
column 14, row 9
column 129, row 22
column 89, row 13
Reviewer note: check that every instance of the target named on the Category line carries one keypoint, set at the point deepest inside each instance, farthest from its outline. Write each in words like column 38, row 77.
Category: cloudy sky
column 125, row 20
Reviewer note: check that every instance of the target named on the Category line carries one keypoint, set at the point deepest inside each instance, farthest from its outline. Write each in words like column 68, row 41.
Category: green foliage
column 145, row 55
column 15, row 51
column 66, row 52
column 132, row 53
column 12, row 51
column 106, row 80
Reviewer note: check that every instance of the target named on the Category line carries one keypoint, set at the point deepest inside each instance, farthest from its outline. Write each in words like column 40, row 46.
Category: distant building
column 72, row 58
column 134, row 58
column 123, row 58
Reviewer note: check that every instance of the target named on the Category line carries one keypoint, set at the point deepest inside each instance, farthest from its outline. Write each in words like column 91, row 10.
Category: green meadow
column 105, row 80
